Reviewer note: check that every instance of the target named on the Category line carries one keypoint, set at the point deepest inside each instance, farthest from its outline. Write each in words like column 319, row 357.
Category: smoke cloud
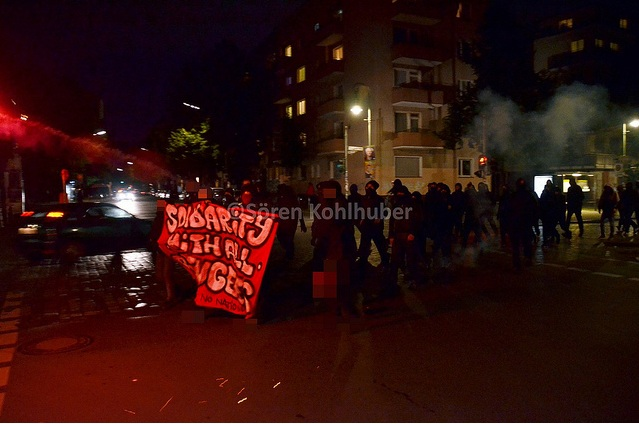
column 540, row 139
column 56, row 144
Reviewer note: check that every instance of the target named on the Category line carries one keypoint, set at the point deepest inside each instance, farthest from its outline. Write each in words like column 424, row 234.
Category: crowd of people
column 430, row 224
column 423, row 228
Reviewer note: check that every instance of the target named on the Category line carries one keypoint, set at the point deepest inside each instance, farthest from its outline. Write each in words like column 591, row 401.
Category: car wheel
column 71, row 252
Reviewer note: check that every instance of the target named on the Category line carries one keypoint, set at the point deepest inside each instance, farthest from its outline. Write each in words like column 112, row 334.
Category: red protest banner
column 225, row 251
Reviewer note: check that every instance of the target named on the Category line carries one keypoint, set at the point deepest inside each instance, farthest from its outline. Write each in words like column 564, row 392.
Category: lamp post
column 634, row 123
column 356, row 111
column 345, row 158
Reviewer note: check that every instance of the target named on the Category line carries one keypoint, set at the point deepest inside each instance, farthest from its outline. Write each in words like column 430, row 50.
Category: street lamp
column 356, row 110
column 634, row 123
column 346, row 158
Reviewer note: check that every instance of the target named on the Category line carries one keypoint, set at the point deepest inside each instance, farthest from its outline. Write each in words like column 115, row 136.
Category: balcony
column 424, row 139
column 335, row 105
column 415, row 12
column 330, row 146
column 418, row 54
column 422, row 95
column 330, row 69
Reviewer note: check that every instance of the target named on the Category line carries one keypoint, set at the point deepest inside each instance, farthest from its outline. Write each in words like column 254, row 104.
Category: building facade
column 596, row 44
column 399, row 62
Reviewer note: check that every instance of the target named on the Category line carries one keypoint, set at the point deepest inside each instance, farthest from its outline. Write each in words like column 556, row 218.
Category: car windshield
column 108, row 211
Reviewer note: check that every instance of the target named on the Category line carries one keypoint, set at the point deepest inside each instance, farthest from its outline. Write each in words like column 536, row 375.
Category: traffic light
column 482, row 164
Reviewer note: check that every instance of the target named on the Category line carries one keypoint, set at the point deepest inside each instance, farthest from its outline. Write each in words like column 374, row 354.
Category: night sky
column 126, row 51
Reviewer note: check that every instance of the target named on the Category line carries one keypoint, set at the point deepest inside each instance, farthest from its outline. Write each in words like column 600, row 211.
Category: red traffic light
column 483, row 160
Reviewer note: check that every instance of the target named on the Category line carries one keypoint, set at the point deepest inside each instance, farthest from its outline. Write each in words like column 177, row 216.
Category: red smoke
column 32, row 135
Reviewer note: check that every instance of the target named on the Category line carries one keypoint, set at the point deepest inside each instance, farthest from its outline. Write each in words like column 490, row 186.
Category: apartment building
column 399, row 62
column 595, row 43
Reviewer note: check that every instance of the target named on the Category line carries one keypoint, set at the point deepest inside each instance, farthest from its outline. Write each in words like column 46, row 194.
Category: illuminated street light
column 634, row 123
column 100, row 132
column 190, row 105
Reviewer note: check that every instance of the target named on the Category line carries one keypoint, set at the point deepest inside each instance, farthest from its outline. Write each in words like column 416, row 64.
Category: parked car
column 67, row 231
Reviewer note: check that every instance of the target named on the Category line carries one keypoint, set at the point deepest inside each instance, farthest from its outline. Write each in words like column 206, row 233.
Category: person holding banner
column 164, row 265
column 291, row 213
column 334, row 249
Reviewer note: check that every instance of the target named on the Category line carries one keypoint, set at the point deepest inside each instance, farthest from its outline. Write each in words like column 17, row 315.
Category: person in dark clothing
column 627, row 201
column 548, row 211
column 457, row 204
column 164, row 264
column 334, row 249
column 442, row 229
column 402, row 229
column 502, row 214
column 561, row 213
column 486, row 210
column 372, row 226
column 471, row 216
column 430, row 200
column 521, row 211
column 420, row 237
column 574, row 204
column 356, row 200
column 290, row 215
column 606, row 206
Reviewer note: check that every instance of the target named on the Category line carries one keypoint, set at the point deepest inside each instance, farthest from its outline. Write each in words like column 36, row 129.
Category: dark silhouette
column 574, row 204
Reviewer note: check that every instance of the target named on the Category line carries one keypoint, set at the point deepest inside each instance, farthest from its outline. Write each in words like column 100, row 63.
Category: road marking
column 606, row 274
column 578, row 269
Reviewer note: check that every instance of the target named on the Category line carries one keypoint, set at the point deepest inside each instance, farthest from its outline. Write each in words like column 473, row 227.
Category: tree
column 234, row 98
column 192, row 153
column 460, row 117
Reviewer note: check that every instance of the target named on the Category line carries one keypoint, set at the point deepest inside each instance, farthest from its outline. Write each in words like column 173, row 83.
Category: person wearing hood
column 372, row 225
column 403, row 226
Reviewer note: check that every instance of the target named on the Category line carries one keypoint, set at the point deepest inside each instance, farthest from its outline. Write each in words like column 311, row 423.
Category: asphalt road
column 555, row 342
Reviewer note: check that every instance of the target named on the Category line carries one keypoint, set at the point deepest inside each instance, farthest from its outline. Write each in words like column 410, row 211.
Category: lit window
column 338, row 53
column 576, row 46
column 301, row 74
column 623, row 23
column 301, row 107
column 288, row 51
column 599, row 42
column 565, row 24
column 289, row 111
column 614, row 47
column 316, row 27
column 289, row 80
